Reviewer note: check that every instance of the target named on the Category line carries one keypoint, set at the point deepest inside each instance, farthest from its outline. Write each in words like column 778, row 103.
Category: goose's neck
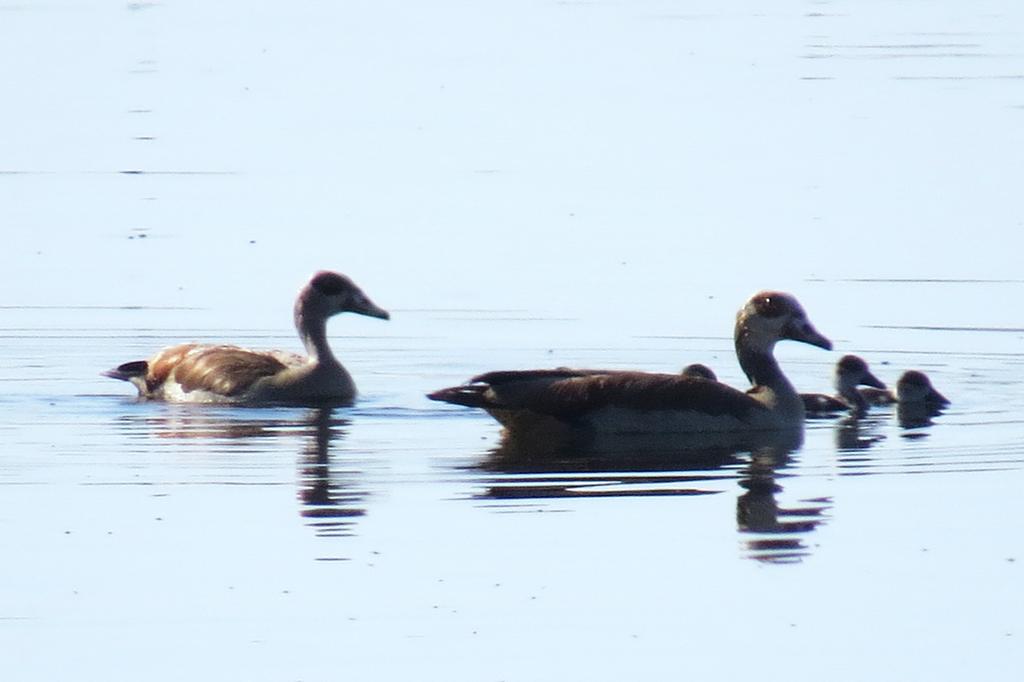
column 770, row 385
column 312, row 328
column 761, row 368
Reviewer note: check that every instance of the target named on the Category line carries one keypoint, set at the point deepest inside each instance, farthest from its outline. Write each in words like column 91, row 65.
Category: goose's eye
column 771, row 306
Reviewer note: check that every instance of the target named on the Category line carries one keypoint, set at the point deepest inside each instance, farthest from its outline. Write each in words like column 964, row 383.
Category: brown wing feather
column 642, row 391
column 163, row 363
column 224, row 370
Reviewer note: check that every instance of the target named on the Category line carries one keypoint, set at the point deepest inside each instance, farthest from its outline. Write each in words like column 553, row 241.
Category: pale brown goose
column 912, row 388
column 850, row 372
column 202, row 373
column 622, row 402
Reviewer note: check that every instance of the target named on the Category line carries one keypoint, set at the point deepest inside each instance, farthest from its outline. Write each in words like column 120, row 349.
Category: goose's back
column 619, row 401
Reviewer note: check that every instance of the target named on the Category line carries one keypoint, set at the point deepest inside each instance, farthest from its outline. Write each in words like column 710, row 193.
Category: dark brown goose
column 202, row 373
column 850, row 372
column 622, row 402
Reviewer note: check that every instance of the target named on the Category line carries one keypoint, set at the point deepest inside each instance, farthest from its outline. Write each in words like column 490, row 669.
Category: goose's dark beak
column 364, row 306
column 374, row 311
column 804, row 331
column 870, row 379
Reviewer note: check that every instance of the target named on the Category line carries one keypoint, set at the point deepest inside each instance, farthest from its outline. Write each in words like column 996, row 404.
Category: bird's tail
column 128, row 371
column 470, row 395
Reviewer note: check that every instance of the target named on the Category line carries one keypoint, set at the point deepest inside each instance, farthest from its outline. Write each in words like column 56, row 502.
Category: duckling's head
column 329, row 293
column 852, row 371
column 915, row 388
column 699, row 371
column 771, row 316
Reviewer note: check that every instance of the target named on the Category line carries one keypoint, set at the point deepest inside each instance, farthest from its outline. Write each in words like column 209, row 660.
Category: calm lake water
column 522, row 185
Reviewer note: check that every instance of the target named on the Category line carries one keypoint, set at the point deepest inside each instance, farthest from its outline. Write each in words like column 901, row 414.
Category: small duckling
column 913, row 388
column 850, row 372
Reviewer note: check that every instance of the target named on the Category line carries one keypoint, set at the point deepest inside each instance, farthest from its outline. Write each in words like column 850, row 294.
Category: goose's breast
column 309, row 382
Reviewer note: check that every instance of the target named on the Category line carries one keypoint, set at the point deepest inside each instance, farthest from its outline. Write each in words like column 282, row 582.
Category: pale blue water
column 591, row 184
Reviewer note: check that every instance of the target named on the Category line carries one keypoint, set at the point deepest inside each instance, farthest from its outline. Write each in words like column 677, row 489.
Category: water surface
column 589, row 184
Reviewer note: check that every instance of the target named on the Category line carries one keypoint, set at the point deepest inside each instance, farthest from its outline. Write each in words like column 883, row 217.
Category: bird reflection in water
column 778, row 535
column 854, row 433
column 676, row 465
column 330, row 505
column 915, row 416
column 530, row 468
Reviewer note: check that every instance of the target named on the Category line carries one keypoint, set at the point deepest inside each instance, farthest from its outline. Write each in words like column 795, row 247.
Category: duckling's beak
column 371, row 309
column 804, row 331
column 936, row 398
column 870, row 379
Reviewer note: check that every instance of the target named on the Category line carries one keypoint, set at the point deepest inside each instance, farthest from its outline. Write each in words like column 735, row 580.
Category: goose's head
column 851, row 372
column 329, row 293
column 915, row 388
column 772, row 316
